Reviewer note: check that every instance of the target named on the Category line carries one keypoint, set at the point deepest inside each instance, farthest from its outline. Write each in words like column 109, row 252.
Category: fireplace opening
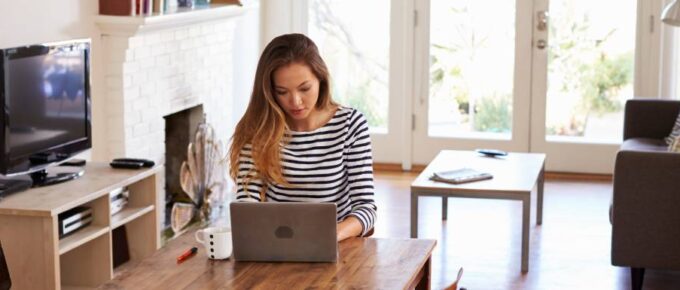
column 180, row 129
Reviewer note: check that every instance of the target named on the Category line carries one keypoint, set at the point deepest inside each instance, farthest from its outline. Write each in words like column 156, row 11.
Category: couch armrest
column 649, row 118
column 646, row 210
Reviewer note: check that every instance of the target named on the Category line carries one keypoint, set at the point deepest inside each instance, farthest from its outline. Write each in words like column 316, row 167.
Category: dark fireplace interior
column 180, row 128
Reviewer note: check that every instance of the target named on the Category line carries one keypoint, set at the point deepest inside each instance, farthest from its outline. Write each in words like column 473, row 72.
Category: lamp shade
column 671, row 14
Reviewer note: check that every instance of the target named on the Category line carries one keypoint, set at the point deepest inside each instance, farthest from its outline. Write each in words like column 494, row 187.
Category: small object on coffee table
column 491, row 152
column 461, row 175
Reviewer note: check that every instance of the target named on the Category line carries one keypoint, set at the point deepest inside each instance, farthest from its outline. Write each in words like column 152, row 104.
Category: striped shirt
column 333, row 163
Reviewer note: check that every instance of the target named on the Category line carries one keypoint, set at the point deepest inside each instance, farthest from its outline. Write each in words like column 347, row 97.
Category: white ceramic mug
column 217, row 242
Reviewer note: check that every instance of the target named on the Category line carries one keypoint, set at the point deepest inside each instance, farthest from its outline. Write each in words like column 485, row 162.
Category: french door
column 547, row 76
column 472, row 84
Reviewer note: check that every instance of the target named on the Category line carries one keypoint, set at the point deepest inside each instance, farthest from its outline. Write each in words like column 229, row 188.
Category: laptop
column 284, row 231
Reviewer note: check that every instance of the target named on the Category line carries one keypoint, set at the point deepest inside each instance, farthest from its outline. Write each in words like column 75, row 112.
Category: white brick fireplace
column 155, row 66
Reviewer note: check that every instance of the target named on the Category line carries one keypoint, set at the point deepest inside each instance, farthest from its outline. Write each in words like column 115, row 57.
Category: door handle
column 542, row 20
column 541, row 44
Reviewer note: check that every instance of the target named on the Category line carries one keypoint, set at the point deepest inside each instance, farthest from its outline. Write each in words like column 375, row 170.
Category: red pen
column 186, row 255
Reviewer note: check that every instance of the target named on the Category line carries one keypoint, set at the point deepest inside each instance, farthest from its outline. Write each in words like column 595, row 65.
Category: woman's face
column 297, row 89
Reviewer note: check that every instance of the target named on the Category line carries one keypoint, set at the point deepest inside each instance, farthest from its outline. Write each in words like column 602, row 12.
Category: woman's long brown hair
column 263, row 125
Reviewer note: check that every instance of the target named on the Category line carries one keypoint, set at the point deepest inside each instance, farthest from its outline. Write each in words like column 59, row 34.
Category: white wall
column 35, row 21
column 247, row 48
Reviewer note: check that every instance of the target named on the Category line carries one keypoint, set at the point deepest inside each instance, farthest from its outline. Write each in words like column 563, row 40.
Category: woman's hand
column 350, row 227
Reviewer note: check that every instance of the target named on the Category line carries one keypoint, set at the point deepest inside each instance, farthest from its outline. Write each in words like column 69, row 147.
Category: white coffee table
column 514, row 178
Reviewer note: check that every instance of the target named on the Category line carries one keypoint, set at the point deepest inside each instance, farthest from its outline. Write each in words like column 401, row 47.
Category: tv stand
column 42, row 178
column 29, row 228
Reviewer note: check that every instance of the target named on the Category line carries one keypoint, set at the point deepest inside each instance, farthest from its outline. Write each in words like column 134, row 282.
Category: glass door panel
column 472, row 59
column 355, row 43
column 473, row 78
column 366, row 47
column 590, row 69
column 582, row 75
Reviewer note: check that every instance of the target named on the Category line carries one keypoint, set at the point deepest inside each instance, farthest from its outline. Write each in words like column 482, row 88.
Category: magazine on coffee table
column 461, row 175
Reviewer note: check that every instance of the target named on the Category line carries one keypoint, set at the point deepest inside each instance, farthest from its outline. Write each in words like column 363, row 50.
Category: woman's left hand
column 350, row 227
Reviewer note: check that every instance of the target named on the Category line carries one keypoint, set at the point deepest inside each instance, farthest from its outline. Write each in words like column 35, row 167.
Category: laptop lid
column 284, row 231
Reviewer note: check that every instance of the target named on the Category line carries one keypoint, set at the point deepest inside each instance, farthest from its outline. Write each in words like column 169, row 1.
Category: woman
column 295, row 144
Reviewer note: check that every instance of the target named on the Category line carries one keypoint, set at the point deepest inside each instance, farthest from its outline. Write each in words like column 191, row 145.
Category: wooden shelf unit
column 38, row 259
column 129, row 214
column 82, row 236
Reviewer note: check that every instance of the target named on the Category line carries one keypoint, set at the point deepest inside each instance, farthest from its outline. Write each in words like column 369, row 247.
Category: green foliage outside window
column 588, row 70
column 358, row 97
column 363, row 84
column 493, row 114
column 602, row 81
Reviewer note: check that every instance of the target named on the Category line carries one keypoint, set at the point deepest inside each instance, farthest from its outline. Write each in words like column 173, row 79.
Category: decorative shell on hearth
column 203, row 176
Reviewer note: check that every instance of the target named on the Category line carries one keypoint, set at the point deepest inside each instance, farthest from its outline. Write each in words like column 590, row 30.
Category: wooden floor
column 570, row 250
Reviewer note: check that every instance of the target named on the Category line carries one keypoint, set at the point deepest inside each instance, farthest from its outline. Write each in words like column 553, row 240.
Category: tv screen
column 45, row 91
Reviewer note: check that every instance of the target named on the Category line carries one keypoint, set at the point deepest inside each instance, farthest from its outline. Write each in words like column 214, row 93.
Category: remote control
column 126, row 164
column 145, row 162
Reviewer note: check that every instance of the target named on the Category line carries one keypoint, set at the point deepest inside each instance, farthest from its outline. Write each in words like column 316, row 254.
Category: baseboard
column 577, row 176
column 417, row 168
column 395, row 167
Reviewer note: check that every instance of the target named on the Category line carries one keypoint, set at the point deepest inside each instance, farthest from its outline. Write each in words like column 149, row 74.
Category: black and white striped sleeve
column 246, row 168
column 359, row 162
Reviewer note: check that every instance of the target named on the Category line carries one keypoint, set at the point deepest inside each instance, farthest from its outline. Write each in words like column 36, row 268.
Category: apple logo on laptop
column 284, row 232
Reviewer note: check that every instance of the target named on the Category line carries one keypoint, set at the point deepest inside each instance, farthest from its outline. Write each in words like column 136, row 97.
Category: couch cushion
column 644, row 144
column 675, row 132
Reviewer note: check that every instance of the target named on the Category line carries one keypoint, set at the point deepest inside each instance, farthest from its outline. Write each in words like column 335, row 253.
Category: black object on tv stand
column 12, row 185
column 42, row 178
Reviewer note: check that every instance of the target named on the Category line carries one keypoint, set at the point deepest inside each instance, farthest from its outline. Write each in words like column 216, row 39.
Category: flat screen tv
column 45, row 90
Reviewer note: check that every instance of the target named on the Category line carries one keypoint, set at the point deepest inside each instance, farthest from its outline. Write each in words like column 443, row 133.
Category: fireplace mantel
column 135, row 25
column 156, row 65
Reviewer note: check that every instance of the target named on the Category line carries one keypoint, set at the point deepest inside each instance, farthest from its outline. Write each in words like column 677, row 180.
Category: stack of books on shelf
column 154, row 7
column 119, row 199
column 461, row 175
column 136, row 7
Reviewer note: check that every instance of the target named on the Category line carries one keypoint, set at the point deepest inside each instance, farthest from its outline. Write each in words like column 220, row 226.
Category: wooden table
column 364, row 263
column 514, row 178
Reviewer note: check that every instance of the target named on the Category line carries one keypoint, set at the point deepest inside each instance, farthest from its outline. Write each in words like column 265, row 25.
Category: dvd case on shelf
column 118, row 199
column 74, row 219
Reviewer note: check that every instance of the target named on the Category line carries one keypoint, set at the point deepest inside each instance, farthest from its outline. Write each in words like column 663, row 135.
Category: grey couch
column 646, row 201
